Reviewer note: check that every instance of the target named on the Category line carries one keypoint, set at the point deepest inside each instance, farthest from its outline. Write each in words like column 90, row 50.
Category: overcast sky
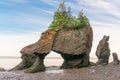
column 22, row 21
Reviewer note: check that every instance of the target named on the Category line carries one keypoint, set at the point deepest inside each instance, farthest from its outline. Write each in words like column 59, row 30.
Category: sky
column 22, row 22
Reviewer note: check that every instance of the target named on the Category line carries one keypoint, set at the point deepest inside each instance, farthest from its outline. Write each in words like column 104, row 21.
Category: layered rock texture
column 34, row 54
column 74, row 45
column 42, row 46
column 103, row 51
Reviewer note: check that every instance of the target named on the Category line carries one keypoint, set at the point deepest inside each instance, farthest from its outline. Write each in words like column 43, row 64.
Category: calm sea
column 10, row 62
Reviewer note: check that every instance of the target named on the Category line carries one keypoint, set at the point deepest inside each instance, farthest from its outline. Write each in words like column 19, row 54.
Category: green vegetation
column 64, row 20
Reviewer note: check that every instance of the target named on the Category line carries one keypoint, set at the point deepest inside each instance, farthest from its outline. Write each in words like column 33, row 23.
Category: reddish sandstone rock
column 42, row 46
column 33, row 55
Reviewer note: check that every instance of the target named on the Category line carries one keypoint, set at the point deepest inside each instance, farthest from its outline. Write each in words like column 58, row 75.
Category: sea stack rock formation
column 115, row 58
column 74, row 46
column 103, row 51
column 34, row 54
column 67, row 35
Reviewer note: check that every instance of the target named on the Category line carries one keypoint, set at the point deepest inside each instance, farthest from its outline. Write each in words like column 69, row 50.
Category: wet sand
column 108, row 72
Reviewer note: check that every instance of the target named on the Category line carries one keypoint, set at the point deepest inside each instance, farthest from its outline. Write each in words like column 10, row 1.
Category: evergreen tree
column 60, row 18
column 82, row 20
column 80, row 15
column 64, row 20
column 69, row 12
column 56, row 21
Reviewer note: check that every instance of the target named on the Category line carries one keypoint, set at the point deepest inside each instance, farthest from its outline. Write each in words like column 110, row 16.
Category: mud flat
column 108, row 72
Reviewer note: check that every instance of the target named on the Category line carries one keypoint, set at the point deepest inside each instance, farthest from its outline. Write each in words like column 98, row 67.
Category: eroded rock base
column 102, row 61
column 115, row 59
column 27, row 61
column 38, row 65
column 75, row 61
column 2, row 69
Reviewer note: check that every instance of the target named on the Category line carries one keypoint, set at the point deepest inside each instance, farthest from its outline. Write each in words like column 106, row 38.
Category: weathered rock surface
column 27, row 61
column 33, row 55
column 38, row 64
column 44, row 45
column 103, row 51
column 41, row 49
column 74, row 45
column 115, row 59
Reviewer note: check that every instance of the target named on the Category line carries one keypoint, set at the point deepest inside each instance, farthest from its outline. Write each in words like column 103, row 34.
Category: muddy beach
column 108, row 72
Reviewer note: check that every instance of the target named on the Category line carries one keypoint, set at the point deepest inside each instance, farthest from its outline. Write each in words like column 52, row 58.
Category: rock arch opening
column 53, row 59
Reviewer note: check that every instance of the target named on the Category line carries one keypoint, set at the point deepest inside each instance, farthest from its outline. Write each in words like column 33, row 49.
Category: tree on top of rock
column 63, row 19
column 81, row 21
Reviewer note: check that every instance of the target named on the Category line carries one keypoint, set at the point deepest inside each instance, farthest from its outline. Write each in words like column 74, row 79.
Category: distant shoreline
column 46, row 57
column 20, row 57
column 9, row 57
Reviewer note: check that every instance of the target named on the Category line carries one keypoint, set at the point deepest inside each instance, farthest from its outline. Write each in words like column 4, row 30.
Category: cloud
column 53, row 3
column 96, row 10
column 12, row 44
column 101, row 6
column 16, row 20
column 100, row 12
column 24, row 23
column 26, row 18
column 40, row 10
column 46, row 11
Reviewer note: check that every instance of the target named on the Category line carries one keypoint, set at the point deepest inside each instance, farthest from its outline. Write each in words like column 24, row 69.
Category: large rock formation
column 74, row 45
column 103, row 51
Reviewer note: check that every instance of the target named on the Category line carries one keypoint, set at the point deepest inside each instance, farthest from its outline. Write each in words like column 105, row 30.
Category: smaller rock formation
column 2, row 69
column 103, row 51
column 115, row 58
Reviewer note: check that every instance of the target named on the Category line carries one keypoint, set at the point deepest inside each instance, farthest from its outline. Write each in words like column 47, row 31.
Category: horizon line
column 45, row 57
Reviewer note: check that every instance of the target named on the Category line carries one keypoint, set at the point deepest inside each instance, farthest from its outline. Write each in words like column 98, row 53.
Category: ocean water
column 10, row 62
